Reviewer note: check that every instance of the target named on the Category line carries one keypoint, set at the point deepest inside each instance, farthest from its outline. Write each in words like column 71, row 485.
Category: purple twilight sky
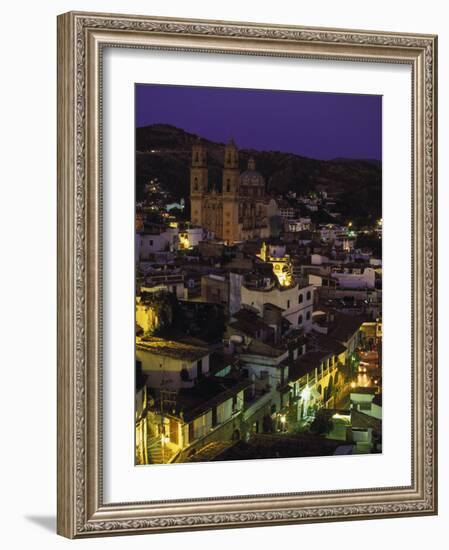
column 312, row 124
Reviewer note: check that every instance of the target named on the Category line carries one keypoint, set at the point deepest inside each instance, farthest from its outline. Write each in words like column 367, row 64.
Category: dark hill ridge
column 164, row 151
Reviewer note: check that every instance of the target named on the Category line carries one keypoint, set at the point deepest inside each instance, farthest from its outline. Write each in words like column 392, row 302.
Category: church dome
column 250, row 176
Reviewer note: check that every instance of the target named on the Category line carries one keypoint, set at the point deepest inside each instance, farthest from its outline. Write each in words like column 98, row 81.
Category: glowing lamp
column 305, row 394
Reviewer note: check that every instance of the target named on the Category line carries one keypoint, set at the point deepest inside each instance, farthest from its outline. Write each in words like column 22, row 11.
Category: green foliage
column 162, row 306
column 320, row 216
column 370, row 241
column 203, row 321
column 322, row 424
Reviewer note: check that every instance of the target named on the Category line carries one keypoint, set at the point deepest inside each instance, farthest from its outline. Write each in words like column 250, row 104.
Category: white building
column 345, row 278
column 296, row 302
column 332, row 232
column 171, row 365
column 286, row 212
column 172, row 238
column 365, row 400
column 190, row 237
column 300, row 224
column 355, row 278
column 151, row 243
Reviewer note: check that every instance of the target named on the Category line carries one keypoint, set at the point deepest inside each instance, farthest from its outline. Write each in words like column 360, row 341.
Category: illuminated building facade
column 282, row 266
column 241, row 210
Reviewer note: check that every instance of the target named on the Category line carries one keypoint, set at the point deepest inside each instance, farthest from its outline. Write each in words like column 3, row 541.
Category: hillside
column 164, row 151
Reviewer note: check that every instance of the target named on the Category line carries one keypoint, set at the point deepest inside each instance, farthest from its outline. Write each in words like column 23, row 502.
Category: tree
column 370, row 241
column 322, row 423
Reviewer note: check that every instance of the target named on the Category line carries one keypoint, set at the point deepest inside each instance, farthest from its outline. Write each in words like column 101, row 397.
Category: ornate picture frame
column 82, row 38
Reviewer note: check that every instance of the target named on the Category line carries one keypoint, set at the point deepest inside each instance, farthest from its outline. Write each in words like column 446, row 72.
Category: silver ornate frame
column 81, row 39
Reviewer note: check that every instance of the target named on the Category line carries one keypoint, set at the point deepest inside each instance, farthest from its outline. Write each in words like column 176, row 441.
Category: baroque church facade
column 242, row 209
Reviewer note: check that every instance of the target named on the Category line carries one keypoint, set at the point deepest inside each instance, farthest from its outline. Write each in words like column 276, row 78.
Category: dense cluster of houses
column 245, row 339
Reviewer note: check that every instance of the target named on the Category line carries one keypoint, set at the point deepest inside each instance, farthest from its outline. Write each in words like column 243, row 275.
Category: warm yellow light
column 283, row 419
column 338, row 416
column 285, row 279
column 183, row 241
column 353, row 384
column 350, row 224
column 281, row 266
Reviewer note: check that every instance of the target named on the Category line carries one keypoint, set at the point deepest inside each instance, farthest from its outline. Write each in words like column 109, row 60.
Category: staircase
column 155, row 454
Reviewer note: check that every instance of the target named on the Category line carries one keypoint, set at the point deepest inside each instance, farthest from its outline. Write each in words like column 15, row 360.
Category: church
column 242, row 210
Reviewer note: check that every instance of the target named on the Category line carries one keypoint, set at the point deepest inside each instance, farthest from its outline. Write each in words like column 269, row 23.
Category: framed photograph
column 246, row 274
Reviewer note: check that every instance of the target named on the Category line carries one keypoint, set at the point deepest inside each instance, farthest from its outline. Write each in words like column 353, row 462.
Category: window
column 195, row 184
column 308, row 295
column 184, row 375
column 288, row 304
column 228, row 185
column 151, row 242
column 300, row 298
column 308, row 316
column 224, row 411
column 199, row 368
column 300, row 320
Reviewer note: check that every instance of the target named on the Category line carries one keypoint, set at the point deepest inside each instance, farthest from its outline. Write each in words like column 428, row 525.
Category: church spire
column 231, row 156
column 199, row 155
